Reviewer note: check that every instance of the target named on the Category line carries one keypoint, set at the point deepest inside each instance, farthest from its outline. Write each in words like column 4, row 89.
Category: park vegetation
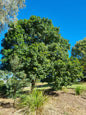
column 34, row 50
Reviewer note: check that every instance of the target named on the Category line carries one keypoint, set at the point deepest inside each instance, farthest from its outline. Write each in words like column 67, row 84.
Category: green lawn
column 40, row 86
column 79, row 84
column 44, row 86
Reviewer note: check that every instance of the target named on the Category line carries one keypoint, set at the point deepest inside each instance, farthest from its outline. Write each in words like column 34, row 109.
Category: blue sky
column 69, row 15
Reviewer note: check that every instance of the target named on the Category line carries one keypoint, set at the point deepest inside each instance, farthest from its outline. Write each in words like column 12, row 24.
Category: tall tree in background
column 79, row 51
column 8, row 11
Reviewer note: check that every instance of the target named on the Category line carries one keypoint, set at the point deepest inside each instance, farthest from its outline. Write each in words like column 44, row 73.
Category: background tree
column 64, row 70
column 8, row 11
column 79, row 51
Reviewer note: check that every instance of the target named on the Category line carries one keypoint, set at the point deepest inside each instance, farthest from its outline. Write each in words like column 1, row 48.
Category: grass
column 43, row 86
column 82, row 85
column 75, row 86
column 65, row 89
column 33, row 101
column 78, row 90
column 40, row 86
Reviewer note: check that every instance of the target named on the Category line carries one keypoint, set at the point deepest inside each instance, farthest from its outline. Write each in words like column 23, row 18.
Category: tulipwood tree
column 35, row 49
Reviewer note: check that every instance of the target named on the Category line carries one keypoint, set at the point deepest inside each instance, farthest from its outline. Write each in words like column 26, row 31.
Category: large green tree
column 35, row 49
column 79, row 51
column 8, row 11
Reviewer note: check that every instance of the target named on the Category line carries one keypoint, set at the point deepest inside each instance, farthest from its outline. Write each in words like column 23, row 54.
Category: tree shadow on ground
column 44, row 85
column 51, row 92
column 6, row 104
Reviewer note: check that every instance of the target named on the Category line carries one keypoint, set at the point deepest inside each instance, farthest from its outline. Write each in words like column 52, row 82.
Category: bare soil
column 62, row 103
column 59, row 103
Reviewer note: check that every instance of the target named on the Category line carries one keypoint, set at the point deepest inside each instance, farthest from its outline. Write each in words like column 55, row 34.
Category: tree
column 35, row 49
column 8, row 11
column 65, row 70
column 69, row 71
column 79, row 51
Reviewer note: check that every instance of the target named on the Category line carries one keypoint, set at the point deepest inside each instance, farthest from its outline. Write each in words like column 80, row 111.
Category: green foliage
column 26, row 48
column 34, row 49
column 78, row 90
column 79, row 51
column 11, row 87
column 1, row 83
column 66, row 72
column 33, row 101
column 14, row 87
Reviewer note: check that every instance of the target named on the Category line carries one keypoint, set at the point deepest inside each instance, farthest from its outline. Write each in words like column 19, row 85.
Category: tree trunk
column 32, row 85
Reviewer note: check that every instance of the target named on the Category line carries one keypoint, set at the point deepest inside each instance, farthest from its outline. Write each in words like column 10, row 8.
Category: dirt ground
column 59, row 103
column 66, row 104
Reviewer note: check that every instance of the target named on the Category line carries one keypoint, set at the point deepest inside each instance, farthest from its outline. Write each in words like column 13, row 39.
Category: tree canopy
column 35, row 49
column 8, row 11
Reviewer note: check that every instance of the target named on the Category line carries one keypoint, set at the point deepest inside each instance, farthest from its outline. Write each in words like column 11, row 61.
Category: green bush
column 33, row 101
column 12, row 87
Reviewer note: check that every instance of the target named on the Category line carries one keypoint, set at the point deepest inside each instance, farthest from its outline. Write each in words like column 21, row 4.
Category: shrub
column 14, row 87
column 33, row 101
